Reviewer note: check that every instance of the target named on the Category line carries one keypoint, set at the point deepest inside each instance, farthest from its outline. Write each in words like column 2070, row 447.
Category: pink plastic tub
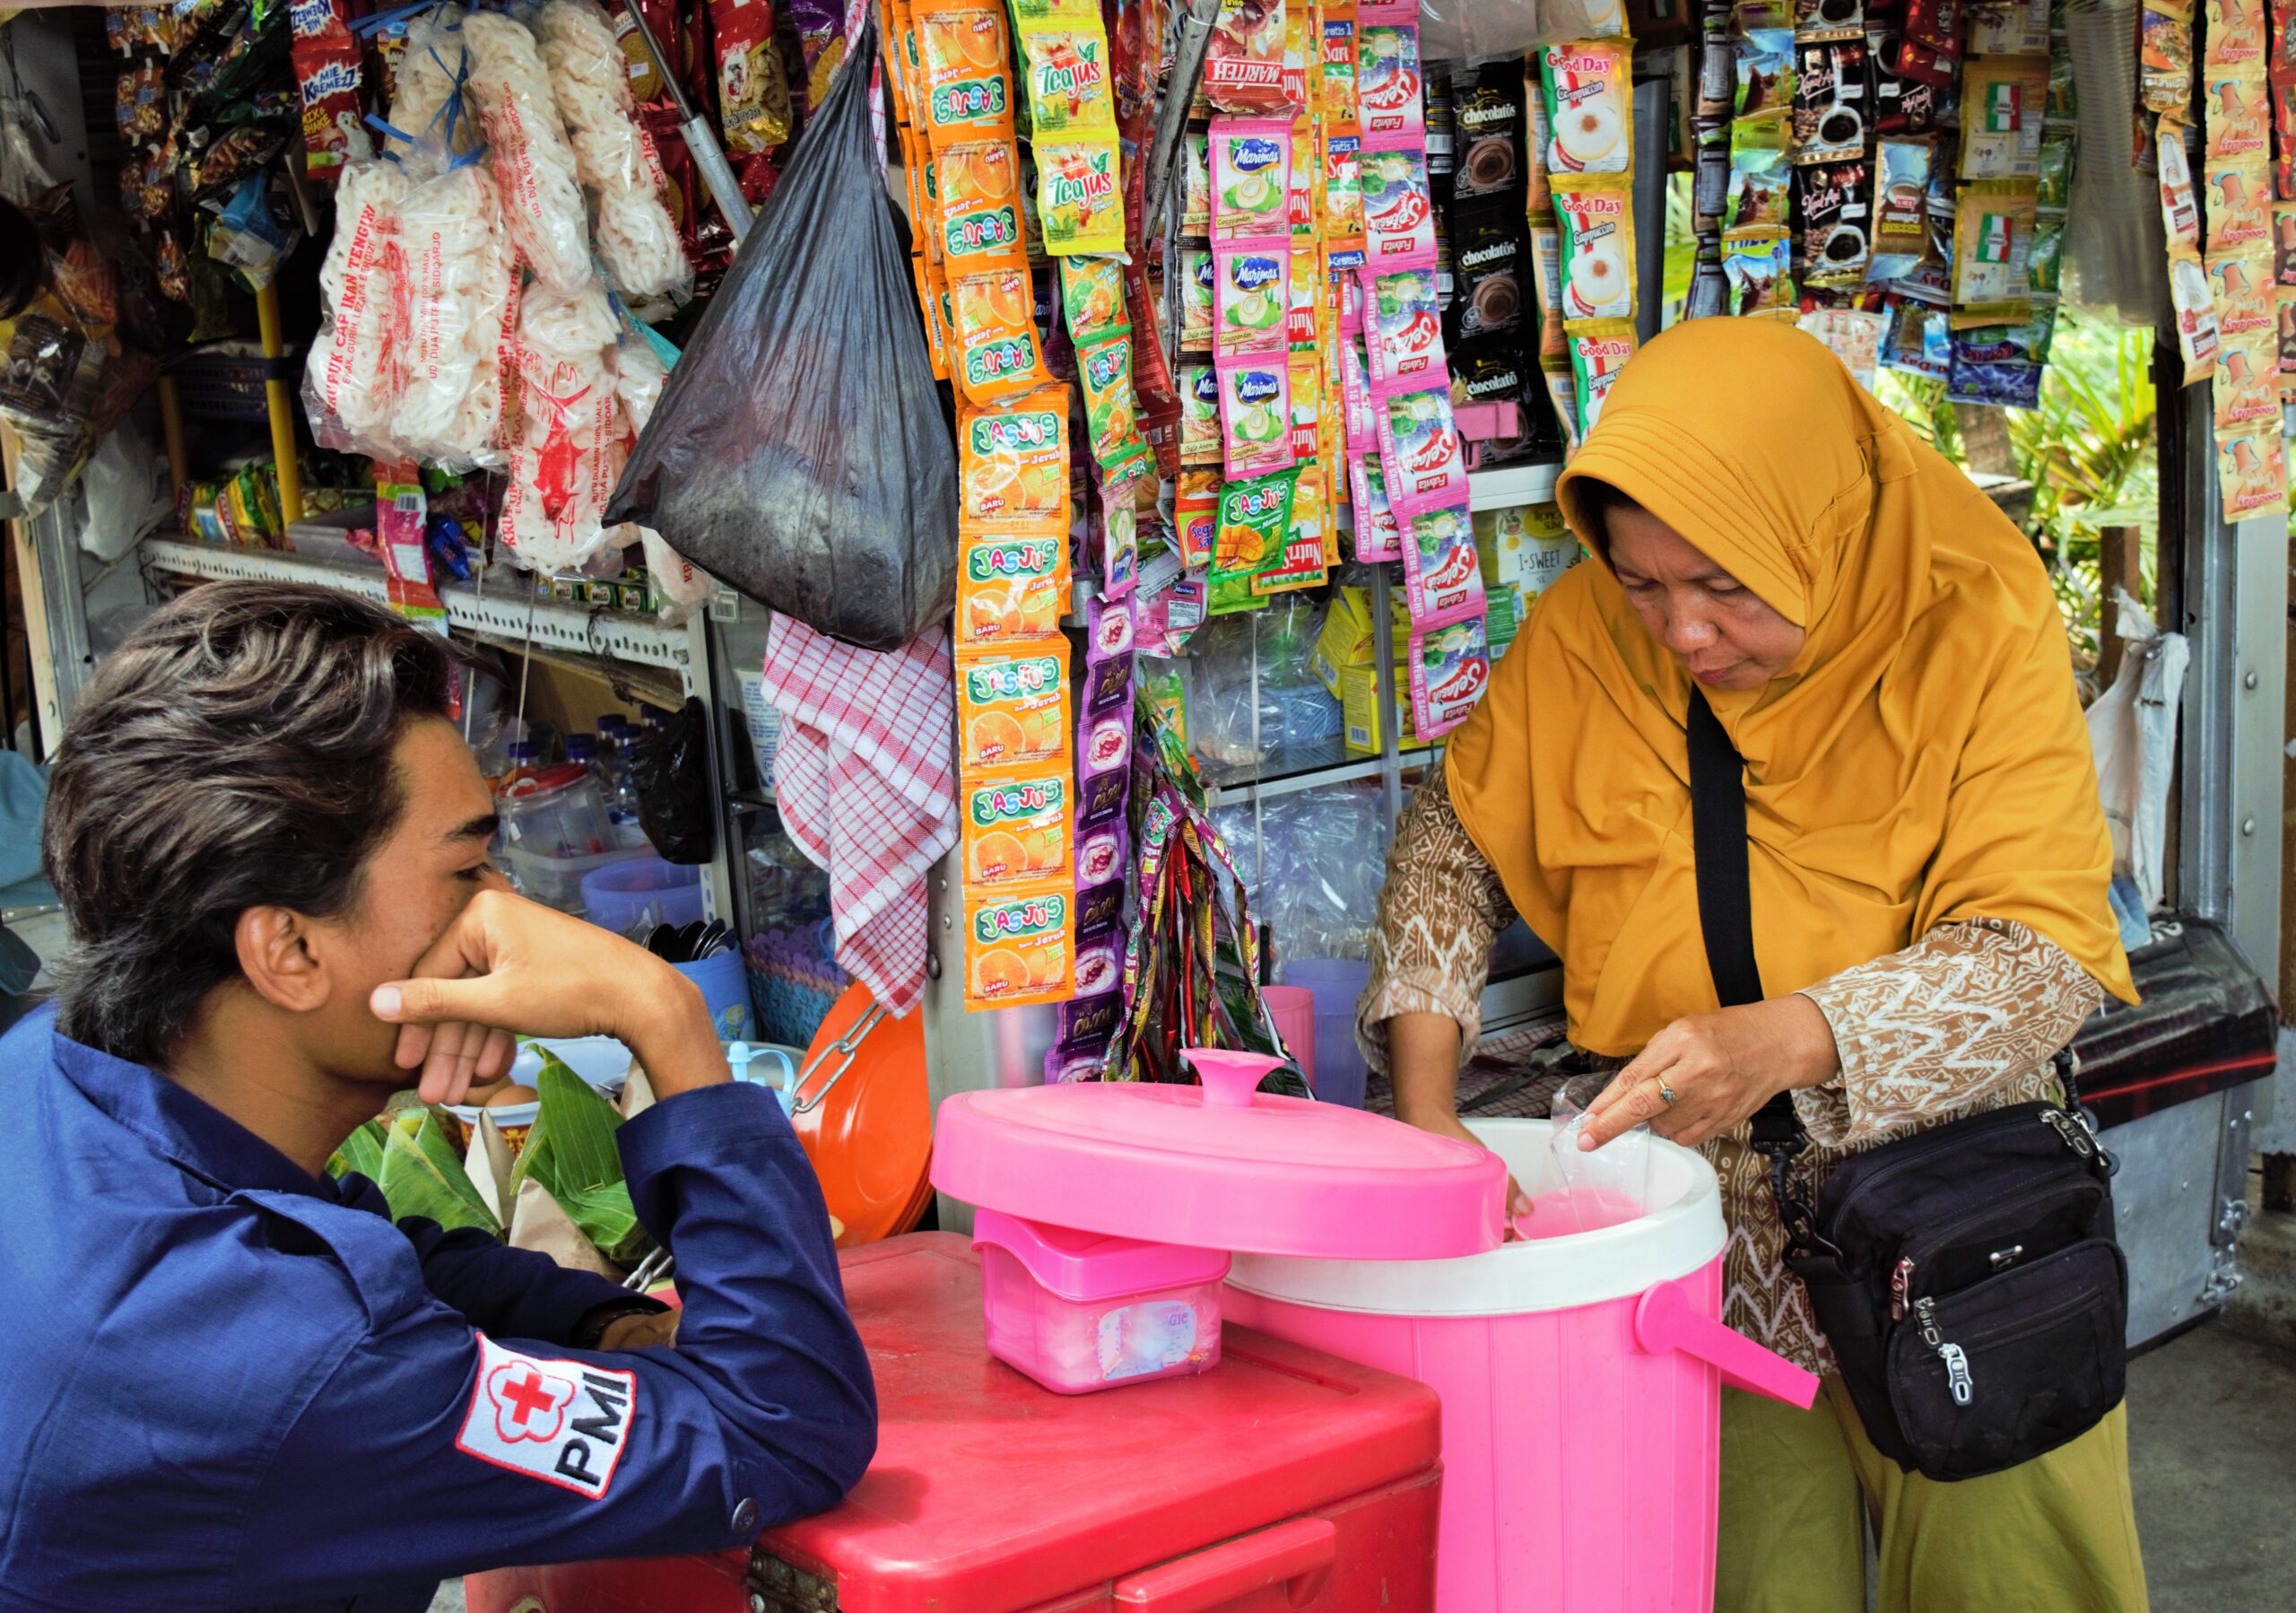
column 1079, row 1313
column 1581, row 1383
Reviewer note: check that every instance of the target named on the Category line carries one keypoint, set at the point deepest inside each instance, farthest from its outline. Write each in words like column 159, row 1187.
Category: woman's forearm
column 1423, row 1062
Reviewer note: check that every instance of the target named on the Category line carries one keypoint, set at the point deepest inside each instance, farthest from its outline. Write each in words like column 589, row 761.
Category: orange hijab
column 1923, row 759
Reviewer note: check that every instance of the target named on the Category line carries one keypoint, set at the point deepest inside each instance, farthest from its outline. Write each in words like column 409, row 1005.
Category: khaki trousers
column 2058, row 1535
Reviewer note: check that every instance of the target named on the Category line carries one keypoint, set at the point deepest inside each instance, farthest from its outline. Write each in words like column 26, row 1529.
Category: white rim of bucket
column 1541, row 1274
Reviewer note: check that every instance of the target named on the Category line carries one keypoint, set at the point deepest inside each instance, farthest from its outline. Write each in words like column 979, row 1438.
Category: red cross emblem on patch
column 562, row 1422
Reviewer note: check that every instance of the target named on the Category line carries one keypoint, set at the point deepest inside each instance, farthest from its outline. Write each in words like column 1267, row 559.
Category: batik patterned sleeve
column 1440, row 910
column 1941, row 1027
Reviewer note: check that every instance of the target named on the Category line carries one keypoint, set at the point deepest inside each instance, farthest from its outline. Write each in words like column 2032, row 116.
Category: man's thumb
column 428, row 1001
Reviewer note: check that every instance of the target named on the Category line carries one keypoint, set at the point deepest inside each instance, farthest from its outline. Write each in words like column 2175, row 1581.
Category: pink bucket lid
column 1220, row 1166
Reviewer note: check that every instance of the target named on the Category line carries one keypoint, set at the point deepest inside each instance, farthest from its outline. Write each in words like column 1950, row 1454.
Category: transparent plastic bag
column 800, row 452
column 1575, row 1191
column 526, row 150
column 449, row 253
column 572, row 437
column 353, row 379
column 637, row 240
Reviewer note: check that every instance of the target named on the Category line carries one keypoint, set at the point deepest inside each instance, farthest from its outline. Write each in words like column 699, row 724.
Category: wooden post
column 2118, row 566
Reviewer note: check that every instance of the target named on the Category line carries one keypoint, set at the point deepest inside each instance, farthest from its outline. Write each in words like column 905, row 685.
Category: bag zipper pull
column 2075, row 1135
column 1957, row 1361
column 1900, row 1289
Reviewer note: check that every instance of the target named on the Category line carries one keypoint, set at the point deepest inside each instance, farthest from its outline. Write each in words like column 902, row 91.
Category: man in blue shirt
column 230, row 1383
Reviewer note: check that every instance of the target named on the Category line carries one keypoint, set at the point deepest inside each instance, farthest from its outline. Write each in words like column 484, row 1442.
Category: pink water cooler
column 1581, row 1379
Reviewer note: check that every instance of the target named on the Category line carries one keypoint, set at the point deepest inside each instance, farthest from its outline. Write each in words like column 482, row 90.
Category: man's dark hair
column 235, row 752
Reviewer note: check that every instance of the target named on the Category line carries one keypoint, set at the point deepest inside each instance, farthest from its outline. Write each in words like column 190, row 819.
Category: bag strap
column 1717, row 813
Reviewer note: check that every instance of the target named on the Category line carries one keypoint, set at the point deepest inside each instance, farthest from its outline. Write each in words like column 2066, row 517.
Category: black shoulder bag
column 1966, row 1277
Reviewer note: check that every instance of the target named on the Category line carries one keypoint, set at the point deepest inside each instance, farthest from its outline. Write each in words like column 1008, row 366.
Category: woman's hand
column 508, row 964
column 1424, row 1063
column 1719, row 1067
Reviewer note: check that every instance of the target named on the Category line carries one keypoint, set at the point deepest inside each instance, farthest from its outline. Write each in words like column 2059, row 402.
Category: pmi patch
column 563, row 1422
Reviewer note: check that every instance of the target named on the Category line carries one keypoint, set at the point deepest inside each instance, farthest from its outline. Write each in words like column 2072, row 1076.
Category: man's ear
column 278, row 960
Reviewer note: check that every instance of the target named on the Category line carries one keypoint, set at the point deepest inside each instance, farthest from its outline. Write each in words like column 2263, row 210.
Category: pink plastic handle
column 1229, row 1079
column 1665, row 1320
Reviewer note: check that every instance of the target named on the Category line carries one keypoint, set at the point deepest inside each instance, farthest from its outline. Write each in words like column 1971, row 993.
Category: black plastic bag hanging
column 799, row 451
column 671, row 773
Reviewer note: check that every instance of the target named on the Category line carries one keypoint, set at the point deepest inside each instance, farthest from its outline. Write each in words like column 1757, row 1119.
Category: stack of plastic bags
column 468, row 322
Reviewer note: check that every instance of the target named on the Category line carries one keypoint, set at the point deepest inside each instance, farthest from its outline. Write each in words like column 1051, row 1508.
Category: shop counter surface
column 1284, row 1478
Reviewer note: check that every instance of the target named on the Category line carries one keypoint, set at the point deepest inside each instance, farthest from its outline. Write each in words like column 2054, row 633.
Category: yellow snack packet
column 1018, row 824
column 1011, row 708
column 975, row 186
column 1071, row 91
column 1020, row 946
column 1012, row 587
column 1080, row 197
column 1012, row 464
column 997, row 356
column 967, row 89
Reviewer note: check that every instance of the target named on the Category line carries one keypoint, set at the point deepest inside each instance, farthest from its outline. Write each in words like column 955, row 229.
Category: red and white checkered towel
column 866, row 783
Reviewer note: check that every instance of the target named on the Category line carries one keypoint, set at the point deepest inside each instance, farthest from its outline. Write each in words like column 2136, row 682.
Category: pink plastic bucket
column 1581, row 1383
column 1294, row 1010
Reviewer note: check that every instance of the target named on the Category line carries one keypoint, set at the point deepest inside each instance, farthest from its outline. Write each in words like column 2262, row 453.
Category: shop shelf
column 1510, row 485
column 511, row 615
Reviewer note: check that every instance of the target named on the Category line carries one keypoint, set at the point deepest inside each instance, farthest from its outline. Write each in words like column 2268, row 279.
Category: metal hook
column 848, row 1045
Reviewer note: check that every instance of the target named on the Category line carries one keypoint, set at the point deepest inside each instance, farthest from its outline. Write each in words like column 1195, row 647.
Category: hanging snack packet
column 1598, row 220
column 1092, row 299
column 2239, row 208
column 1765, row 76
column 1837, row 210
column 1014, row 462
column 1255, row 523
column 1586, row 92
column 1066, row 66
column 1488, row 111
column 1378, row 535
column 1243, row 65
column 2235, row 36
column 1080, row 197
column 1450, row 666
column 2001, row 116
column 1016, row 824
column 1112, row 412
column 1251, row 295
column 1199, row 414
column 1832, row 100
column 1993, row 227
column 2165, row 56
column 995, row 328
column 2002, row 365
column 1389, row 84
column 1018, row 945
column 1011, row 709
column 968, row 89
column 1195, row 182
column 978, row 182
column 1196, row 516
column 1403, row 328
column 753, row 92
column 1116, row 526
column 1900, row 223
column 1011, row 588
column 1546, row 282
column 1419, row 450
column 1442, row 571
column 1758, row 265
column 1487, row 248
column 1251, row 169
column 1398, row 210
column 1598, row 352
column 2239, row 116
column 1343, row 213
column 1759, row 188
column 1198, row 291
column 1254, row 414
column 1303, row 311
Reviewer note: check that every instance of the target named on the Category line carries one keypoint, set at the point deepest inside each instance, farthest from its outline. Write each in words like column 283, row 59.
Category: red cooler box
column 1283, row 1479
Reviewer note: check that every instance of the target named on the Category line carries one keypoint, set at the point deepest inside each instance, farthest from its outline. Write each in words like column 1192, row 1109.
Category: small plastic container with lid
column 1078, row 1311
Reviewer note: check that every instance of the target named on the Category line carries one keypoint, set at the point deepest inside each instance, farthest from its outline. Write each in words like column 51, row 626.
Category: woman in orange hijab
column 1928, row 867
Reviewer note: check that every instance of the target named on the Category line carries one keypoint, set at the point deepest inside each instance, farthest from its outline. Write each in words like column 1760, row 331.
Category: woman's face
column 1723, row 635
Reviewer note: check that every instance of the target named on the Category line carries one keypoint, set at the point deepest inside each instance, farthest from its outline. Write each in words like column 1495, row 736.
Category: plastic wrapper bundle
column 639, row 378
column 637, row 240
column 430, row 70
column 1303, row 857
column 451, row 255
column 1457, row 30
column 526, row 150
column 571, row 434
column 1235, row 718
column 351, row 383
column 800, row 452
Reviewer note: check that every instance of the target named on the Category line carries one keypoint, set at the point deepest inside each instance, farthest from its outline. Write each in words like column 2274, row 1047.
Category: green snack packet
column 1249, row 541
column 1111, row 411
column 1092, row 299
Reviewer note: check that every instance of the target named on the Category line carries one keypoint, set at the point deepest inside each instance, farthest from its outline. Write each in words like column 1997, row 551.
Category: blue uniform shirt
column 227, row 1385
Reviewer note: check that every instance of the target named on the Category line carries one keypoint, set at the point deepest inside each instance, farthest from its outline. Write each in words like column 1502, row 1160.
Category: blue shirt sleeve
column 507, row 1293
column 431, row 1449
